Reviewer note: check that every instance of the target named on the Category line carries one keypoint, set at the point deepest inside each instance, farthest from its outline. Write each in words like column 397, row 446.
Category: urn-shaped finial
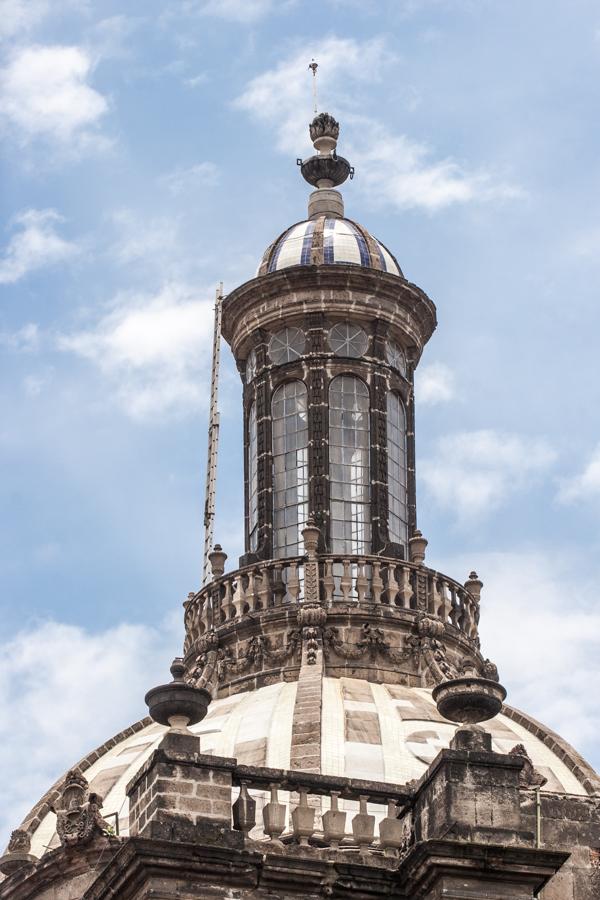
column 324, row 132
column 177, row 704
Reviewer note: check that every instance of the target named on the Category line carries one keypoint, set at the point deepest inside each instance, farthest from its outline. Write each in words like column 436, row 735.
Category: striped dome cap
column 326, row 240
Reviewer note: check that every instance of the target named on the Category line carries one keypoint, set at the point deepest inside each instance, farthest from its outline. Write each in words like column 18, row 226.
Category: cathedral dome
column 327, row 240
column 381, row 732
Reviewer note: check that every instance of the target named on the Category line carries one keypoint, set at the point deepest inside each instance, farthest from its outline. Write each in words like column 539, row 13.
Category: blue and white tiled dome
column 325, row 240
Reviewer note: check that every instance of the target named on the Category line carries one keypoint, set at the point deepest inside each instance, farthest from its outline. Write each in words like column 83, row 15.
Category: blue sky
column 148, row 151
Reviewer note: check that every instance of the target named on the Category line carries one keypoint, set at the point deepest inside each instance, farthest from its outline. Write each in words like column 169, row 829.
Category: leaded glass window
column 397, row 481
column 395, row 356
column 347, row 339
column 252, row 479
column 286, row 345
column 289, row 412
column 349, row 450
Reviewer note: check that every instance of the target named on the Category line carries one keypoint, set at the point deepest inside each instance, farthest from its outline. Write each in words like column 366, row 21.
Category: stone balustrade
column 351, row 581
column 337, row 813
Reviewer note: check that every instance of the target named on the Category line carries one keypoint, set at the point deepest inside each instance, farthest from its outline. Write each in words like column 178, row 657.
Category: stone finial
column 469, row 700
column 17, row 855
column 473, row 585
column 177, row 704
column 217, row 558
column 325, row 170
column 310, row 535
column 324, row 133
column 77, row 811
column 417, row 546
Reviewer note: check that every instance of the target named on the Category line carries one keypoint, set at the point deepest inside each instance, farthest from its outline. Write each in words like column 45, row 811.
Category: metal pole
column 213, row 439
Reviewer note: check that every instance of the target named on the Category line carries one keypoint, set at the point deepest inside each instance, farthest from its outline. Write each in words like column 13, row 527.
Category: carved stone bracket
column 77, row 810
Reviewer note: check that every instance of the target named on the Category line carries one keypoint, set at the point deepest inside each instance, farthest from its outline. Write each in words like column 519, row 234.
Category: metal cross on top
column 314, row 66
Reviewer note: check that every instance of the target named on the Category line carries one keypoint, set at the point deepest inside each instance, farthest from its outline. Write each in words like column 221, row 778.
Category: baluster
column 228, row 607
column 361, row 580
column 215, row 600
column 391, row 831
column 239, row 597
column 303, row 819
column 251, row 590
column 293, row 582
column 363, row 826
column 274, row 815
column 446, row 603
column 432, row 595
column 328, row 582
column 244, row 810
column 376, row 582
column 453, row 606
column 278, row 585
column 204, row 611
column 392, row 587
column 334, row 823
column 346, row 581
column 266, row 591
column 464, row 620
column 406, row 591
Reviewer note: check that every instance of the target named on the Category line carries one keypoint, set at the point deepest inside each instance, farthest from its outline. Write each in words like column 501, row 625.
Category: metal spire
column 213, row 439
column 314, row 66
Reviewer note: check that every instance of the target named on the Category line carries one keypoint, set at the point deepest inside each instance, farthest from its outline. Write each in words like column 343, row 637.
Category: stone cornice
column 338, row 290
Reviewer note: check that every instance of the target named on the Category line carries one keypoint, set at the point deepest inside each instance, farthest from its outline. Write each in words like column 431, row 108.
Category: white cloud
column 20, row 15
column 281, row 97
column 397, row 170
column 44, row 94
column 585, row 485
column 243, row 11
column 474, row 473
column 435, row 384
column 25, row 340
column 34, row 245
column 153, row 349
column 392, row 168
column 541, row 628
column 204, row 174
column 64, row 690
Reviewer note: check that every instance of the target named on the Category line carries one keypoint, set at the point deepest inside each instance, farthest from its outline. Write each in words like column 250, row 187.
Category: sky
column 149, row 151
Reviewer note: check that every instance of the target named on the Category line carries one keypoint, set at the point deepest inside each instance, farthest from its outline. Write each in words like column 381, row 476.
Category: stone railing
column 339, row 813
column 331, row 580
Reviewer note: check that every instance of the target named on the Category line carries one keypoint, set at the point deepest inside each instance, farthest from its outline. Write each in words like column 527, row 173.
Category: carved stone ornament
column 311, row 614
column 489, row 671
column 324, row 125
column 529, row 777
column 218, row 663
column 77, row 811
column 17, row 855
column 20, row 842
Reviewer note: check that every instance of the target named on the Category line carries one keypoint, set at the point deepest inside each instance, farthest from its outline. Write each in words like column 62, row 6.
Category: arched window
column 252, row 479
column 396, row 450
column 349, row 449
column 289, row 411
